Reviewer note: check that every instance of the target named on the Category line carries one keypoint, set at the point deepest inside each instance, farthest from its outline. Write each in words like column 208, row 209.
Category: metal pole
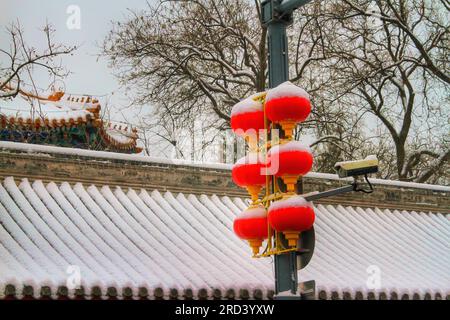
column 278, row 53
column 287, row 6
column 276, row 16
column 285, row 264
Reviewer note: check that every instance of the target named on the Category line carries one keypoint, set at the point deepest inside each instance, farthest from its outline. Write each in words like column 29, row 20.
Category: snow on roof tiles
column 157, row 242
column 60, row 114
column 47, row 111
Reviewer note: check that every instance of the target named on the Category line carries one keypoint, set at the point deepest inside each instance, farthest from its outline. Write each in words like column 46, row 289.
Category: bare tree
column 154, row 129
column 20, row 60
column 376, row 72
column 387, row 61
column 196, row 58
column 200, row 55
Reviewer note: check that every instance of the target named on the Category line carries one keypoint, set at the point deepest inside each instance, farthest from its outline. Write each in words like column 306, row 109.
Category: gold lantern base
column 290, row 182
column 292, row 237
column 252, row 141
column 254, row 192
column 288, row 127
column 255, row 244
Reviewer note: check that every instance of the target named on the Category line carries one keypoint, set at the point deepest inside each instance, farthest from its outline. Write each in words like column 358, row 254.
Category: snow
column 69, row 246
column 227, row 217
column 174, row 238
column 292, row 202
column 66, row 111
column 120, row 136
column 98, row 248
column 173, row 214
column 257, row 212
column 371, row 255
column 89, row 253
column 250, row 158
column 136, row 238
column 290, row 146
column 22, row 266
column 73, row 105
column 246, row 106
column 288, row 293
column 286, row 89
column 151, row 242
column 217, row 233
column 47, row 111
column 33, row 148
column 360, row 238
column 385, row 182
column 101, row 250
column 94, row 230
column 112, row 222
column 257, row 95
column 18, row 237
column 29, row 231
column 370, row 157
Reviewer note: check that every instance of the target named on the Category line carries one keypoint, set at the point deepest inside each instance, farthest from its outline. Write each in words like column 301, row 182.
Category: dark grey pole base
column 306, row 291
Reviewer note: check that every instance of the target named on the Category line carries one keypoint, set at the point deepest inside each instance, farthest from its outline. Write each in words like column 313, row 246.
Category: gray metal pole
column 276, row 15
column 288, row 6
column 278, row 53
column 285, row 264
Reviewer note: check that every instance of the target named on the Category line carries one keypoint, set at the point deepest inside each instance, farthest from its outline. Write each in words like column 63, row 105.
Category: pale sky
column 90, row 75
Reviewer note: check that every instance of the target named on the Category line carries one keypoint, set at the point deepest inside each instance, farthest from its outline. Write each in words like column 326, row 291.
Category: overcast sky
column 90, row 75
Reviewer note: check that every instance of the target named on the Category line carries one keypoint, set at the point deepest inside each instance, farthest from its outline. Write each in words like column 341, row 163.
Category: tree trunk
column 235, row 149
column 400, row 152
column 261, row 77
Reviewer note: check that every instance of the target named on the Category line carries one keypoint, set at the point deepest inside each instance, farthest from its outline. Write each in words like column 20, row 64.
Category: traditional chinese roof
column 154, row 241
column 64, row 120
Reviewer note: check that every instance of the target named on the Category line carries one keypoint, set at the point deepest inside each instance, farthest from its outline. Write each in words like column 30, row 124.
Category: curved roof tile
column 151, row 245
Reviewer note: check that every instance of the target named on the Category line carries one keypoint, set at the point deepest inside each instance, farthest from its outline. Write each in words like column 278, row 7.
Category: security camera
column 357, row 167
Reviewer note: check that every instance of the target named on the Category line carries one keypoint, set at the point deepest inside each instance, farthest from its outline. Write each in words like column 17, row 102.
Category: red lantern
column 291, row 216
column 249, row 172
column 247, row 118
column 289, row 161
column 287, row 105
column 252, row 225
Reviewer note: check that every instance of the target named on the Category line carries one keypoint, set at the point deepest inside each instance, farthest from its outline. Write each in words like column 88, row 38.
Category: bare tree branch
column 23, row 59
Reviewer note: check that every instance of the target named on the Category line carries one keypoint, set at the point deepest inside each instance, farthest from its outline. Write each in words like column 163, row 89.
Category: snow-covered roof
column 70, row 112
column 46, row 113
column 133, row 242
column 77, row 103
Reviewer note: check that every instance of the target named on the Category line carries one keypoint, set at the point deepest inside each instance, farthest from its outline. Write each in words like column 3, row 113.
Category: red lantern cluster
column 249, row 172
column 251, row 225
column 290, row 160
column 287, row 105
column 291, row 216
